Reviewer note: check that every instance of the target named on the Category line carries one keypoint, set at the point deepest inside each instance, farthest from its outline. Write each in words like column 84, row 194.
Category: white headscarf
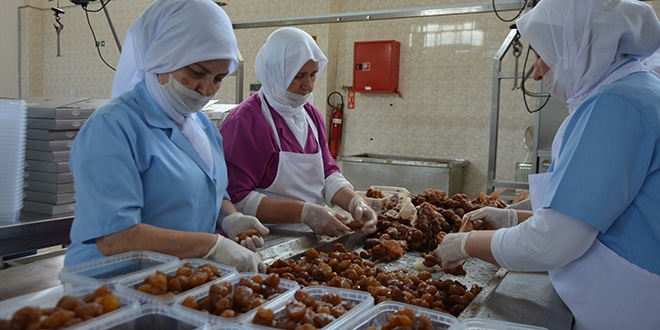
column 285, row 52
column 585, row 41
column 171, row 34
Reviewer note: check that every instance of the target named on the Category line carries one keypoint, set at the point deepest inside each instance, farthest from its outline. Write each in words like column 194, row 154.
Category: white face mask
column 183, row 99
column 296, row 100
column 292, row 99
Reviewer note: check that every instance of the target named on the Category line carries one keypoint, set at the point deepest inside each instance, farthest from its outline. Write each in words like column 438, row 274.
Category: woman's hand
column 237, row 223
column 363, row 213
column 323, row 221
column 495, row 218
column 228, row 252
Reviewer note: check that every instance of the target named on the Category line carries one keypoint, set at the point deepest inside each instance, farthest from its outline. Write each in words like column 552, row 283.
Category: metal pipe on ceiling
column 417, row 12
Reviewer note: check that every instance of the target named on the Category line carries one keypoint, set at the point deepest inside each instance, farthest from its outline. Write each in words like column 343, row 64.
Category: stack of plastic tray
column 363, row 301
column 111, row 270
column 52, row 125
column 12, row 163
column 49, row 298
column 130, row 284
column 378, row 316
column 288, row 287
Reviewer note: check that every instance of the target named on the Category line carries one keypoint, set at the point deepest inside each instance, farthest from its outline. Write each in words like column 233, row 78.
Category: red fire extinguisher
column 336, row 118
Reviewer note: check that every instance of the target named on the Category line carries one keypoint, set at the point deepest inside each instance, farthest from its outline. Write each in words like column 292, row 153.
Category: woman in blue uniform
column 148, row 167
column 595, row 224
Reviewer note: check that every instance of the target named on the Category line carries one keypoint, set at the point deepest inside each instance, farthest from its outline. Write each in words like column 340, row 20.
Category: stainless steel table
column 34, row 231
column 526, row 298
column 31, row 277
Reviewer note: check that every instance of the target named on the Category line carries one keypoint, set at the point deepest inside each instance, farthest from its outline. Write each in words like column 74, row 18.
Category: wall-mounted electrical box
column 376, row 66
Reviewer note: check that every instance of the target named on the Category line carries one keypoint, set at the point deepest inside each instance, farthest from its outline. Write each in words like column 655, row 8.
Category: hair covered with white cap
column 286, row 50
column 171, row 34
column 584, row 41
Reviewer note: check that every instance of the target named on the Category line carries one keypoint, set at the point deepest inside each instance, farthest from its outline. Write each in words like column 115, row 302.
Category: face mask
column 183, row 99
column 296, row 100
column 292, row 99
column 551, row 84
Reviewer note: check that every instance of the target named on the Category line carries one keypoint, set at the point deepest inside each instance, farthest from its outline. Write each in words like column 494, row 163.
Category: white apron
column 299, row 176
column 591, row 285
column 605, row 291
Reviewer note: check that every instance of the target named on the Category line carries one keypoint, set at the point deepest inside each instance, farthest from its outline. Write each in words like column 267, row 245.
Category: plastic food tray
column 288, row 286
column 48, row 298
column 377, row 316
column 111, row 270
column 484, row 324
column 229, row 326
column 151, row 317
column 363, row 301
column 130, row 284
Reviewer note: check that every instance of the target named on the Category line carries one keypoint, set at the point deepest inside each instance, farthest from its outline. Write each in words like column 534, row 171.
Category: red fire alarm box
column 376, row 66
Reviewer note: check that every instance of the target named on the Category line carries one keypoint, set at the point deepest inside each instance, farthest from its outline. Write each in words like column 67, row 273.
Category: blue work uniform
column 608, row 170
column 131, row 165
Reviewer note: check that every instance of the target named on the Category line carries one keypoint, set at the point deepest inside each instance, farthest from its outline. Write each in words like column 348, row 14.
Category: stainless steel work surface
column 31, row 277
column 34, row 231
column 527, row 298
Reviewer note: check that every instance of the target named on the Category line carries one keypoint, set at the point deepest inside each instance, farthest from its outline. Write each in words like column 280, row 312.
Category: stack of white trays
column 52, row 124
column 12, row 161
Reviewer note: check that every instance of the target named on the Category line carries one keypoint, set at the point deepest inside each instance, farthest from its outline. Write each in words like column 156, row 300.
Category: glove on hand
column 363, row 213
column 323, row 221
column 452, row 249
column 236, row 223
column 228, row 252
column 494, row 217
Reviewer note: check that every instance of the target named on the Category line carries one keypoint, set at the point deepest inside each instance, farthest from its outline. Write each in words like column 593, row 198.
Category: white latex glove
column 452, row 249
column 363, row 213
column 323, row 221
column 228, row 252
column 495, row 217
column 236, row 223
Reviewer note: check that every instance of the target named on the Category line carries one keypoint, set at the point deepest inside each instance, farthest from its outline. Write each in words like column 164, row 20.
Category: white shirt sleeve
column 548, row 240
column 333, row 183
column 250, row 203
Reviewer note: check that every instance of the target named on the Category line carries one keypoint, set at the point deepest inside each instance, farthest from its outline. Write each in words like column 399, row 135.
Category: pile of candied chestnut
column 69, row 311
column 346, row 269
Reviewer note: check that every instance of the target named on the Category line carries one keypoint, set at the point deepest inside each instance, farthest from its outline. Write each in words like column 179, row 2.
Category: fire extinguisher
column 336, row 118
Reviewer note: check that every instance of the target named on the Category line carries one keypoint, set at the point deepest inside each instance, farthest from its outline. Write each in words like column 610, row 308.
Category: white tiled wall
column 446, row 74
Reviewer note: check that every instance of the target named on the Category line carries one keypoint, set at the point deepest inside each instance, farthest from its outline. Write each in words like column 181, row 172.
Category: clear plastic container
column 152, row 317
column 111, row 270
column 288, row 287
column 228, row 327
column 130, row 284
column 362, row 300
column 13, row 119
column 377, row 316
column 49, row 298
column 485, row 324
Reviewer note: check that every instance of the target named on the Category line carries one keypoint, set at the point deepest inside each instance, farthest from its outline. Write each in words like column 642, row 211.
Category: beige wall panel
column 446, row 73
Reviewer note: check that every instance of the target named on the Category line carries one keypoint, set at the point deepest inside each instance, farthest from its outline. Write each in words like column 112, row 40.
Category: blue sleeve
column 603, row 161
